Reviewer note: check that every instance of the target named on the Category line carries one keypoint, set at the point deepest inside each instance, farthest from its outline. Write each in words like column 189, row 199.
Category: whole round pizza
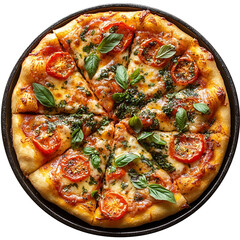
column 120, row 118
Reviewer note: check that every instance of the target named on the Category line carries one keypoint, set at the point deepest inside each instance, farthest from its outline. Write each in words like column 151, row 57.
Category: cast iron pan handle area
column 74, row 222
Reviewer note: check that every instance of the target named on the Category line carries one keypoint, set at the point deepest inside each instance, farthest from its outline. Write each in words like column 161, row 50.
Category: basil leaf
column 109, row 42
column 95, row 160
column 140, row 182
column 91, row 64
column 144, row 135
column 160, row 193
column 113, row 169
column 181, row 118
column 166, row 51
column 43, row 95
column 135, row 73
column 202, row 107
column 95, row 195
column 156, row 139
column 77, row 137
column 136, row 80
column 121, row 76
column 88, row 150
column 123, row 160
column 118, row 97
column 135, row 123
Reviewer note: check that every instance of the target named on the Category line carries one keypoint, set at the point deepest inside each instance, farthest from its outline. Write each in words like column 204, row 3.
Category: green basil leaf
column 113, row 169
column 166, row 51
column 43, row 95
column 95, row 160
column 91, row 64
column 181, row 118
column 135, row 73
column 135, row 123
column 77, row 137
column 88, row 150
column 202, row 107
column 144, row 135
column 109, row 42
column 156, row 139
column 95, row 195
column 121, row 76
column 140, row 182
column 118, row 97
column 160, row 193
column 123, row 160
column 136, row 80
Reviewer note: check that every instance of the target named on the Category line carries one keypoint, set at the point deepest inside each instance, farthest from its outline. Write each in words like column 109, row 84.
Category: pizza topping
column 122, row 35
column 60, row 65
column 149, row 53
column 166, row 51
column 121, row 76
column 202, row 107
column 185, row 71
column 116, row 174
column 94, row 156
column 47, row 143
column 77, row 138
column 136, row 77
column 43, row 95
column 91, row 64
column 123, row 160
column 181, row 119
column 135, row 123
column 187, row 148
column 113, row 206
column 75, row 168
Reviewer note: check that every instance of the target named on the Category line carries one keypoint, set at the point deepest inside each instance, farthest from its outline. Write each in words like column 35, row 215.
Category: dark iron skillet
column 74, row 222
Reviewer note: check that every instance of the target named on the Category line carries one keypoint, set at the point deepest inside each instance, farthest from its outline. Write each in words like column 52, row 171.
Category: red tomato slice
column 120, row 172
column 187, row 148
column 75, row 168
column 185, row 71
column 120, row 28
column 60, row 65
column 113, row 206
column 46, row 143
column 148, row 52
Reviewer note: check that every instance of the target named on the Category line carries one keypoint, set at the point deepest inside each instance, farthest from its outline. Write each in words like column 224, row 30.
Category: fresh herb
column 94, row 156
column 144, row 135
column 95, row 195
column 77, row 138
column 156, row 139
column 118, row 97
column 140, row 182
column 202, row 107
column 92, row 181
column 124, row 185
column 121, row 76
column 166, row 51
column 113, row 169
column 109, row 42
column 88, row 48
column 43, row 95
column 181, row 118
column 135, row 123
column 83, row 33
column 123, row 160
column 91, row 64
column 136, row 77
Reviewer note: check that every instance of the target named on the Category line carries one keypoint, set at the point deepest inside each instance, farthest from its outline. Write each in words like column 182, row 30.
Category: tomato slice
column 120, row 28
column 185, row 71
column 75, row 168
column 120, row 172
column 47, row 143
column 187, row 148
column 148, row 52
column 60, row 65
column 113, row 206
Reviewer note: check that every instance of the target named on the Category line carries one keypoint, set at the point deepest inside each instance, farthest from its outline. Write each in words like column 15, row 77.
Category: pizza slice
column 72, row 180
column 191, row 159
column 135, row 190
column 39, row 138
column 50, row 83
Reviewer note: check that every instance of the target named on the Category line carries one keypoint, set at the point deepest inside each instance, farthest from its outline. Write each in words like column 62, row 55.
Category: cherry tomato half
column 113, row 206
column 120, row 28
column 185, row 71
column 46, row 143
column 60, row 65
column 120, row 172
column 187, row 148
column 148, row 52
column 75, row 168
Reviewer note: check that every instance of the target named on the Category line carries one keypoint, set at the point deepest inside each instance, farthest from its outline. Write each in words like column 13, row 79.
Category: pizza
column 120, row 118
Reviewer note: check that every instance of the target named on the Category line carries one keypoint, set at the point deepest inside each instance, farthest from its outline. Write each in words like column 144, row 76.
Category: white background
column 22, row 21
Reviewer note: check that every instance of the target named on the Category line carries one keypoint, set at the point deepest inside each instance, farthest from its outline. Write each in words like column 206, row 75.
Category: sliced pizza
column 40, row 138
column 191, row 159
column 50, row 83
column 135, row 190
column 72, row 180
